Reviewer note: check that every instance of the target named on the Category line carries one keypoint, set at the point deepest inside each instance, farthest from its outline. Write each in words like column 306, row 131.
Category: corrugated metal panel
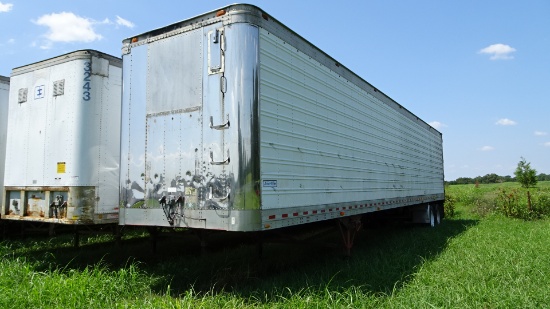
column 325, row 140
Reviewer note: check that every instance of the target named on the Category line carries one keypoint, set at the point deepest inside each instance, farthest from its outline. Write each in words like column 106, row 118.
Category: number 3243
column 87, row 79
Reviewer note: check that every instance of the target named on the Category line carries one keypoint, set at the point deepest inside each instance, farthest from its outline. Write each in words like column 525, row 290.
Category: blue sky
column 479, row 71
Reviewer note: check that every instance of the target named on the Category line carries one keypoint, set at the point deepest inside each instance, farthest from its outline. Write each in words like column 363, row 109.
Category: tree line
column 524, row 174
column 492, row 178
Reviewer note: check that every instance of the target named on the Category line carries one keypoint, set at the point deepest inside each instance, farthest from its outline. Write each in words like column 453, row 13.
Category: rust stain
column 79, row 207
column 11, row 188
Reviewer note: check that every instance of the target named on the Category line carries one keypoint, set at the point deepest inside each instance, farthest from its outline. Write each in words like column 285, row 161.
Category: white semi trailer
column 231, row 121
column 4, row 94
column 63, row 145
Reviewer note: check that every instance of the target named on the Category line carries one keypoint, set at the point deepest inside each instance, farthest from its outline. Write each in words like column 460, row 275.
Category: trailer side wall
column 325, row 139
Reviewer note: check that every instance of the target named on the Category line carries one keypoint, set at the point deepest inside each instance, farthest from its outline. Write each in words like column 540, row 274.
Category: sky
column 478, row 71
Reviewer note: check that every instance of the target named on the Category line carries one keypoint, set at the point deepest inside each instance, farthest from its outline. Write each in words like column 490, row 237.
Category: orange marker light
column 134, row 40
column 220, row 13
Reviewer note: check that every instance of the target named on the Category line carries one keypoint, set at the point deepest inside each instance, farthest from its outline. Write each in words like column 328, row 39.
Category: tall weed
column 523, row 204
column 450, row 205
column 480, row 197
column 541, row 203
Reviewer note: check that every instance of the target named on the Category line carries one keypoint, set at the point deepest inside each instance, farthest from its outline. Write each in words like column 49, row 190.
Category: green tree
column 526, row 175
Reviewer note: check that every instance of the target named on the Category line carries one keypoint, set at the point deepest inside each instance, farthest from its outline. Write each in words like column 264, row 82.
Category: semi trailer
column 232, row 121
column 63, row 141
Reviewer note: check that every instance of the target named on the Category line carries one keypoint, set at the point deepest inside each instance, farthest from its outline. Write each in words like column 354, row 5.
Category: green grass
column 476, row 259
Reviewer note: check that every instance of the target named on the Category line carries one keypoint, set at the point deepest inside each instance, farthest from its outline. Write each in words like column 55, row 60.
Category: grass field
column 476, row 259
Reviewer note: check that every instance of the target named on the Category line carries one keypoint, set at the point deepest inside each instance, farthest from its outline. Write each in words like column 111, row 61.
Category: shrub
column 540, row 203
column 449, row 205
column 517, row 203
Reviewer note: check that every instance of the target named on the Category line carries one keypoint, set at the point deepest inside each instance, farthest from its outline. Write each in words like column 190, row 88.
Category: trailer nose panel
column 192, row 163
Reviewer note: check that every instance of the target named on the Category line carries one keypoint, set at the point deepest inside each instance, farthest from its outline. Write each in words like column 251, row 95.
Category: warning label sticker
column 61, row 167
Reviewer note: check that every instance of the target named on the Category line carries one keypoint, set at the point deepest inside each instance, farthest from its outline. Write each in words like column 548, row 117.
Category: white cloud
column 68, row 27
column 123, row 22
column 506, row 122
column 539, row 133
column 437, row 125
column 487, row 148
column 498, row 51
column 547, row 144
column 5, row 7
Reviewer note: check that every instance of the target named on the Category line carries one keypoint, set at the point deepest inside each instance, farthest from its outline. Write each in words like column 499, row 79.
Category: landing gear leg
column 259, row 244
column 203, row 241
column 76, row 239
column 153, row 233
column 349, row 226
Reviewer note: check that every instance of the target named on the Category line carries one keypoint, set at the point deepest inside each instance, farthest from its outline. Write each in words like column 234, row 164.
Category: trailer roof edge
column 74, row 55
